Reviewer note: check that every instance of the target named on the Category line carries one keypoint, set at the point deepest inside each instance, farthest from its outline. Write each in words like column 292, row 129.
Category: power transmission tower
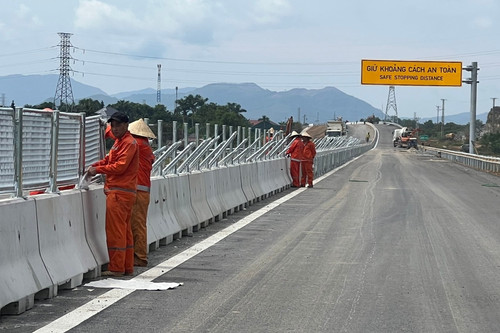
column 391, row 102
column 158, row 87
column 64, row 93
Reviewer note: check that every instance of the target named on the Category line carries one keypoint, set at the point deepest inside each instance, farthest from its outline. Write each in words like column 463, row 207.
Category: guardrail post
column 18, row 152
column 207, row 130
column 185, row 134
column 54, row 143
column 174, row 131
column 197, row 133
column 216, row 129
column 81, row 153
column 159, row 138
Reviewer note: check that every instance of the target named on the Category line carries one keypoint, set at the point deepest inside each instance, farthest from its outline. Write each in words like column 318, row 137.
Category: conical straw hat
column 140, row 128
column 294, row 133
column 307, row 135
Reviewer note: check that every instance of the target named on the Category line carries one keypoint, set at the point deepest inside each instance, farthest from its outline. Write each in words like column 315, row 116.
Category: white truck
column 335, row 128
column 396, row 136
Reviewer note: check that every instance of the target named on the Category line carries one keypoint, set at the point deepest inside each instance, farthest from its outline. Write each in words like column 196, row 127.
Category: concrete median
column 162, row 225
column 199, row 201
column 94, row 215
column 23, row 275
column 63, row 245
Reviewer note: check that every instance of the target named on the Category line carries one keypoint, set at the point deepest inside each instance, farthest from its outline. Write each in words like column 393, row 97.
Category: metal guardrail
column 45, row 149
column 480, row 162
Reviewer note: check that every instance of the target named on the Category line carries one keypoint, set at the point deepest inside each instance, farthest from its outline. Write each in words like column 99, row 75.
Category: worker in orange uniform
column 141, row 132
column 308, row 155
column 120, row 167
column 295, row 154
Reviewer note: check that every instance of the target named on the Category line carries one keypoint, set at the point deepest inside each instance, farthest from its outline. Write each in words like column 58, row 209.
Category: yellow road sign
column 411, row 73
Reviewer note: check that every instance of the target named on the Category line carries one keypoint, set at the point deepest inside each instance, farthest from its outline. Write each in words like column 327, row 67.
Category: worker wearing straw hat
column 141, row 132
column 308, row 155
column 295, row 153
column 120, row 167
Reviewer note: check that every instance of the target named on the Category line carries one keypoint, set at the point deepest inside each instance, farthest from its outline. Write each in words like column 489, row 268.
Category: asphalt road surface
column 395, row 241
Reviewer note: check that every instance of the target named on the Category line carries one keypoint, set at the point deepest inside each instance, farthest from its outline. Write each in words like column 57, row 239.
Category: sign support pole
column 473, row 101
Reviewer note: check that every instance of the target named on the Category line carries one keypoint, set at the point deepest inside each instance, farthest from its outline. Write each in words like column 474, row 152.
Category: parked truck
column 335, row 128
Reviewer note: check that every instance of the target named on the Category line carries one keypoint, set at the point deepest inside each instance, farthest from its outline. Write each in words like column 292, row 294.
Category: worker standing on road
column 295, row 153
column 308, row 160
column 120, row 167
column 141, row 132
column 367, row 137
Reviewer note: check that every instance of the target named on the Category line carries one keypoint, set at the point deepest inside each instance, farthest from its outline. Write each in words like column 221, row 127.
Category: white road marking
column 90, row 309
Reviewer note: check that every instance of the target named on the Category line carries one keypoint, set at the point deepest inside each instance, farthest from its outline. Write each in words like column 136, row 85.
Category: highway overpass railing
column 479, row 162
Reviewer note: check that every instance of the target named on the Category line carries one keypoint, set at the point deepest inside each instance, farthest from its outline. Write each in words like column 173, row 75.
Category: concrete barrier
column 229, row 189
column 246, row 183
column 214, row 199
column 180, row 203
column 199, row 201
column 162, row 225
column 94, row 215
column 265, row 178
column 285, row 172
column 255, row 180
column 61, row 231
column 235, row 190
column 23, row 276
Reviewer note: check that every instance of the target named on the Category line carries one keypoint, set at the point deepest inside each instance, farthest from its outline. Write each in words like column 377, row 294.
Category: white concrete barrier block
column 214, row 199
column 199, row 201
column 162, row 225
column 180, row 202
column 22, row 272
column 246, row 182
column 63, row 244
column 94, row 215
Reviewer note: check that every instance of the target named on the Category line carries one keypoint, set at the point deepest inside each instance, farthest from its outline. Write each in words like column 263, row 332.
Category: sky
column 277, row 44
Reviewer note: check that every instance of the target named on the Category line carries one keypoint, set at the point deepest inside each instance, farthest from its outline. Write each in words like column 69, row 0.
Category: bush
column 491, row 141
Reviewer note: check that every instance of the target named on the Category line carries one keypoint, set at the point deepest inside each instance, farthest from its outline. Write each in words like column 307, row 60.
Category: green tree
column 189, row 105
column 88, row 106
column 41, row 106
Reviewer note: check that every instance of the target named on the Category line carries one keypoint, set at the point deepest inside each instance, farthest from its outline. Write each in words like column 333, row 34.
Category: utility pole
column 442, row 118
column 176, row 98
column 437, row 117
column 158, row 87
column 473, row 101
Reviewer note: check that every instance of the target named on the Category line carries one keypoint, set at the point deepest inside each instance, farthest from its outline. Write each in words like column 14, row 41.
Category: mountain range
column 311, row 105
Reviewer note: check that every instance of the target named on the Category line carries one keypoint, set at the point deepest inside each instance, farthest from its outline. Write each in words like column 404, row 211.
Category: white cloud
column 95, row 15
column 270, row 11
column 483, row 22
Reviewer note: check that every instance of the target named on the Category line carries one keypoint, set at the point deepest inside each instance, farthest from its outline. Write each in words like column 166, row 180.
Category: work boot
column 111, row 273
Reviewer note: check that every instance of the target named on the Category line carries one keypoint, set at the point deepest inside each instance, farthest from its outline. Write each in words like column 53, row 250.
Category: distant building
column 264, row 125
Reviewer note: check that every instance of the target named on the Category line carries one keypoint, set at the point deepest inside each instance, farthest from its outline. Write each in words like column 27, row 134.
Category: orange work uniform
column 140, row 208
column 120, row 167
column 307, row 163
column 295, row 152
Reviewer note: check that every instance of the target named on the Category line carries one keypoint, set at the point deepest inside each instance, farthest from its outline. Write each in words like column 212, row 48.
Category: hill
column 313, row 105
column 36, row 89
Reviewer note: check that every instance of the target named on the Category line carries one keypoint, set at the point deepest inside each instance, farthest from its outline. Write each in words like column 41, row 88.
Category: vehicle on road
column 405, row 138
column 335, row 128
